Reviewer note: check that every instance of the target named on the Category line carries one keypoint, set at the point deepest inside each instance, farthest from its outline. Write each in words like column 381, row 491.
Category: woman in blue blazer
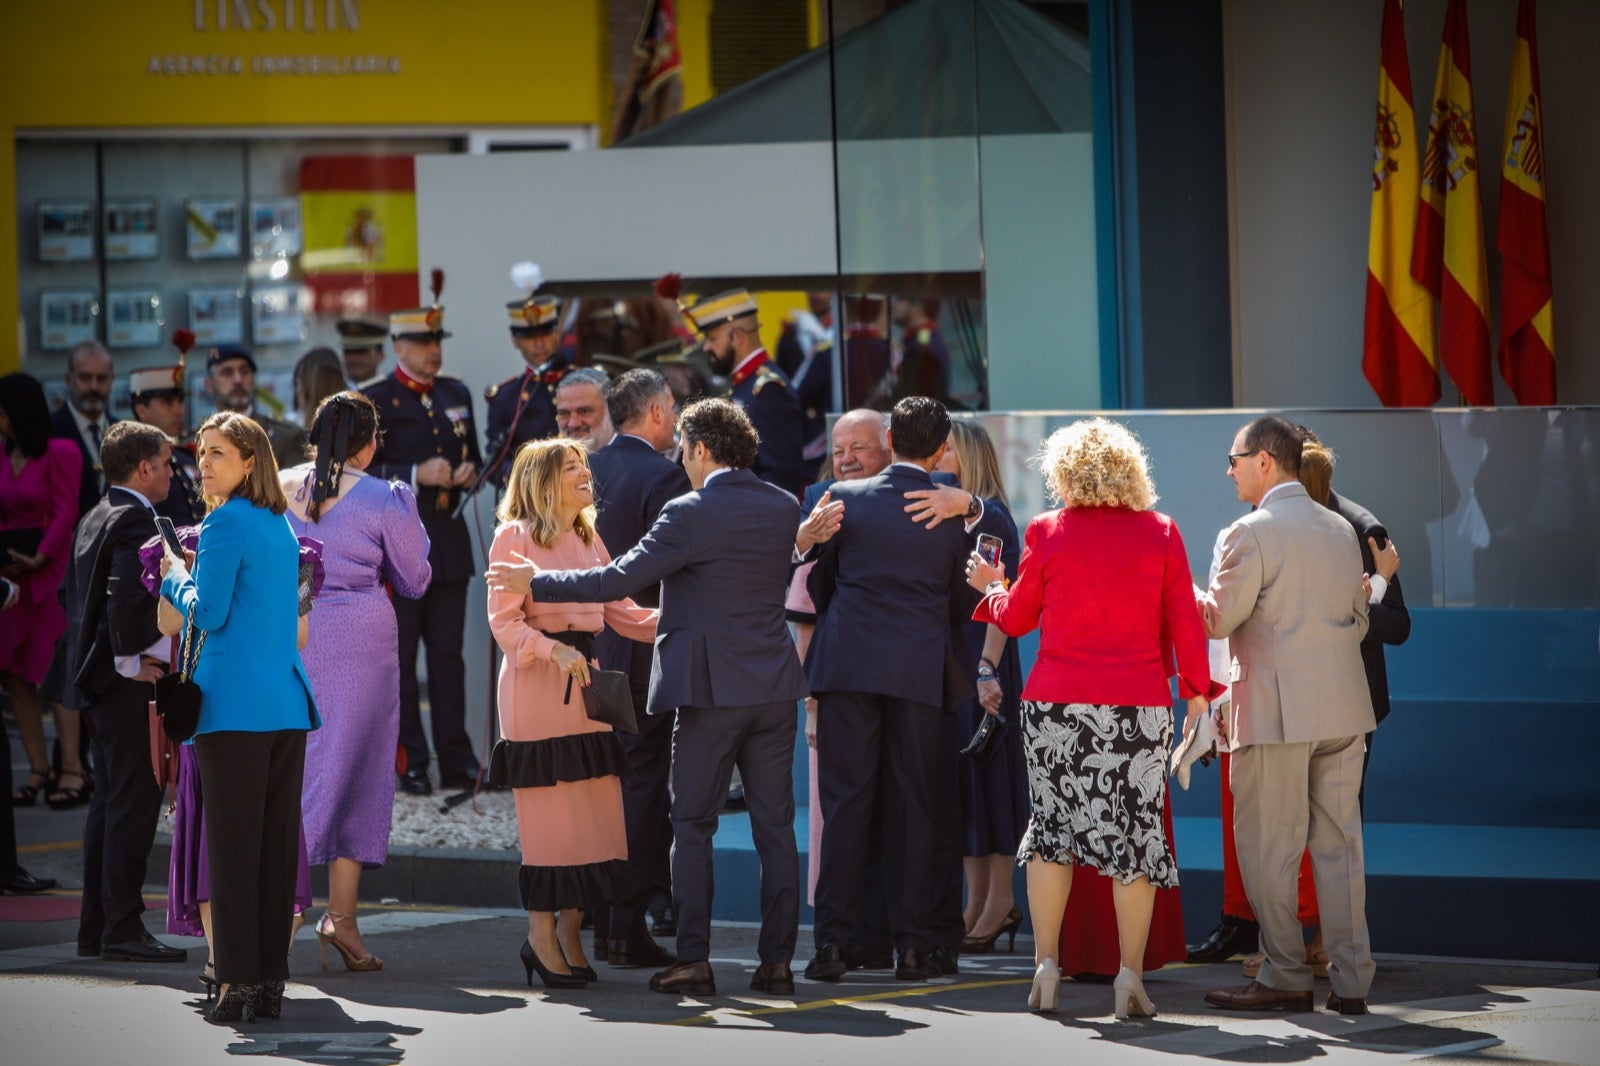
column 256, row 708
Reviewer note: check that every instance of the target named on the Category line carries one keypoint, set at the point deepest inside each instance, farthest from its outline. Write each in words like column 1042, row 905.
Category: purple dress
column 371, row 536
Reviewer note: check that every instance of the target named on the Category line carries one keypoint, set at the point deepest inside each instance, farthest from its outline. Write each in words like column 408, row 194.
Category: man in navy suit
column 725, row 663
column 885, row 590
column 633, row 481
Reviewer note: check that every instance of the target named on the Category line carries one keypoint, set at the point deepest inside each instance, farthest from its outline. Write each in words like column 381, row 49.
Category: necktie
column 94, row 439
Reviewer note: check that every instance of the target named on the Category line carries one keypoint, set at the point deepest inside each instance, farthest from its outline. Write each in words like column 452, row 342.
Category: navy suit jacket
column 110, row 611
column 1388, row 620
column 64, row 426
column 721, row 556
column 632, row 483
column 888, row 592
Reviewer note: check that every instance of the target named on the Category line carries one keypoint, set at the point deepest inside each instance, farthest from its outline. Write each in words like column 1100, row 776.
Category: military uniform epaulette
column 765, row 375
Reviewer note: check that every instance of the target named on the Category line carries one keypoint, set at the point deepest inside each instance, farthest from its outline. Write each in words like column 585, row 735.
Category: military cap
column 223, row 353
column 713, row 311
column 418, row 324
column 536, row 314
column 359, row 334
column 156, row 381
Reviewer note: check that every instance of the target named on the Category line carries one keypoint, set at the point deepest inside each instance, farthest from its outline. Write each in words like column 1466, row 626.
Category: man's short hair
column 917, row 426
column 723, row 428
column 629, row 397
column 125, row 445
column 1279, row 438
column 587, row 375
column 86, row 347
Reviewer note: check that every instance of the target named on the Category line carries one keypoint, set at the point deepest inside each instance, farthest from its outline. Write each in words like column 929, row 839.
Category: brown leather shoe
column 686, row 979
column 1257, row 996
column 773, row 978
column 1340, row 1005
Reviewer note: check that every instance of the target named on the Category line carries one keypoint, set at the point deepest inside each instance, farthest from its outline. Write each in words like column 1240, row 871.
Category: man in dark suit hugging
column 886, row 590
column 724, row 661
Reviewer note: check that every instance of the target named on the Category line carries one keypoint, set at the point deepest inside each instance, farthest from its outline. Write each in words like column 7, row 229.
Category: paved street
column 453, row 991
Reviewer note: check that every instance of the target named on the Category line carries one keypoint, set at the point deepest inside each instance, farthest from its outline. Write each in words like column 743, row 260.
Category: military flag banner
column 1448, row 254
column 359, row 219
column 1527, row 344
column 1397, row 348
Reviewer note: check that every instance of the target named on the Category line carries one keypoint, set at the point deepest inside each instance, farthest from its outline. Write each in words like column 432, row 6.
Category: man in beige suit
column 1288, row 596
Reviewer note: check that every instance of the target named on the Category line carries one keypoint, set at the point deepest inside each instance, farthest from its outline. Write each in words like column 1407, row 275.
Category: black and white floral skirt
column 1098, row 778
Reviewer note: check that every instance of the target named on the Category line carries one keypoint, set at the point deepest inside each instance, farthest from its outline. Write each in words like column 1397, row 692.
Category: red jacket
column 1110, row 590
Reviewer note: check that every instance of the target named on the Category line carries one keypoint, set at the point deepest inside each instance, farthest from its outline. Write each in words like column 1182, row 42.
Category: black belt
column 574, row 638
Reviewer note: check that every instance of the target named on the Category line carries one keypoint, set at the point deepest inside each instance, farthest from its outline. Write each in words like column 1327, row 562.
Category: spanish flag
column 1397, row 352
column 360, row 220
column 1448, row 256
column 1527, row 345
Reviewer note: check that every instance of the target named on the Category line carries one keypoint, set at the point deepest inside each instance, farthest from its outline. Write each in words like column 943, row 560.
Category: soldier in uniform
column 361, row 348
column 430, row 442
column 523, row 407
column 231, row 382
column 157, row 396
column 731, row 336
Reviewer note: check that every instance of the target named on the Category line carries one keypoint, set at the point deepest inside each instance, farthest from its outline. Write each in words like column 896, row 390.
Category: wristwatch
column 974, row 508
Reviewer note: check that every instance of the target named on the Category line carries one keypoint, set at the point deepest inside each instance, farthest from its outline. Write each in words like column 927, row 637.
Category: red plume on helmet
column 184, row 340
column 436, row 284
column 669, row 286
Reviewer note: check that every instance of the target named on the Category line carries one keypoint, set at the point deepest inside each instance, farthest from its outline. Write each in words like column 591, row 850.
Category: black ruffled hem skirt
column 586, row 887
column 542, row 763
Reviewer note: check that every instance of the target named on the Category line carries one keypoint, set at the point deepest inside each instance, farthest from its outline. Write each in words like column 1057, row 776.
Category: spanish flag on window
column 360, row 220
column 1397, row 352
column 1527, row 345
column 1448, row 257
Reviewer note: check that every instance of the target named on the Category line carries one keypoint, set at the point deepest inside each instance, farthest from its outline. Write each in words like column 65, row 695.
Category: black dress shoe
column 685, row 979
column 1232, row 936
column 1342, row 1005
column 913, row 964
column 869, row 958
column 735, row 799
column 945, row 961
column 415, row 782
column 142, row 948
column 22, row 883
column 637, row 953
column 664, row 922
column 89, row 951
column 773, row 978
column 827, row 964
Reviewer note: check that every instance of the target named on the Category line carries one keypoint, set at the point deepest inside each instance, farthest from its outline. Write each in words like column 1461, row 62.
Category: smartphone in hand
column 169, row 536
column 989, row 547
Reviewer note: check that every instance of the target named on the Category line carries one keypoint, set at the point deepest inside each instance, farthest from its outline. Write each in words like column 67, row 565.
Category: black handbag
column 177, row 696
column 986, row 738
column 608, row 698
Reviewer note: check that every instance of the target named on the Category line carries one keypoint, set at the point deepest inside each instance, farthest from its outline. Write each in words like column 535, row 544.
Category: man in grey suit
column 1288, row 596
column 725, row 663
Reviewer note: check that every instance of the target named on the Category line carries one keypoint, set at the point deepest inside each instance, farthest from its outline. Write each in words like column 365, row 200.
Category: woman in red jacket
column 1107, row 582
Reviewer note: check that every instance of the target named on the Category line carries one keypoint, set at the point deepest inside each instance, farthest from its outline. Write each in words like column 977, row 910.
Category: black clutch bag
column 986, row 738
column 21, row 541
column 177, row 696
column 608, row 698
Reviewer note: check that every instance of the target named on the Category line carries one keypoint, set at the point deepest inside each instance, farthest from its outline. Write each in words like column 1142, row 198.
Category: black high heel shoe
column 269, row 1000
column 24, row 796
column 551, row 979
column 982, row 945
column 585, row 972
column 237, row 1004
column 208, row 979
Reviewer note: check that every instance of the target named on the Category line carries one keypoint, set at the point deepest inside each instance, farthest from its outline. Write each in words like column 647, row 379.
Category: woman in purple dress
column 371, row 536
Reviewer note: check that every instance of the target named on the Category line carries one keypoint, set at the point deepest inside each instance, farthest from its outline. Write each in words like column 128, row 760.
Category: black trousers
column 646, row 799
column 123, row 808
column 946, row 926
column 438, row 621
column 251, row 782
column 8, row 820
column 707, row 743
column 860, row 737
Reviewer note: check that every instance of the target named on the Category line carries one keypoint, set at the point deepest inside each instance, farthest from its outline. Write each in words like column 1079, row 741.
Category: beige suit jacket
column 1288, row 597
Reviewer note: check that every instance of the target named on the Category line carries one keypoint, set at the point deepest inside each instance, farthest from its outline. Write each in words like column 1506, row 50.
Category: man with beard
column 361, row 348
column 84, row 418
column 231, row 382
column 730, row 333
column 581, row 410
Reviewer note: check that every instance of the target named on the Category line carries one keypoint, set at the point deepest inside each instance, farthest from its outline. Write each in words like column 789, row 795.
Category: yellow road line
column 845, row 1001
column 55, row 845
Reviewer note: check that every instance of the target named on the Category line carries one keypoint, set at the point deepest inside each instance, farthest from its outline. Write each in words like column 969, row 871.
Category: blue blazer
column 888, row 594
column 244, row 592
column 721, row 556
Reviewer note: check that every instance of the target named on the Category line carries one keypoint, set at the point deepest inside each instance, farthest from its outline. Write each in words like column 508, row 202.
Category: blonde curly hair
column 1096, row 462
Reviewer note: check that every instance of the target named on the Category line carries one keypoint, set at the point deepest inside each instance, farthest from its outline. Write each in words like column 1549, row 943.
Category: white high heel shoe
column 1130, row 998
column 1046, row 986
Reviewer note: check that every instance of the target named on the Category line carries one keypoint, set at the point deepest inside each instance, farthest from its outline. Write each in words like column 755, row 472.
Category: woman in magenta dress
column 371, row 536
column 38, row 501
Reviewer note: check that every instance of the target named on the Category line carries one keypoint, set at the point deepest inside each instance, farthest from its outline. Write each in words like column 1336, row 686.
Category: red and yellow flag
column 1397, row 351
column 1527, row 345
column 1448, row 256
column 360, row 219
